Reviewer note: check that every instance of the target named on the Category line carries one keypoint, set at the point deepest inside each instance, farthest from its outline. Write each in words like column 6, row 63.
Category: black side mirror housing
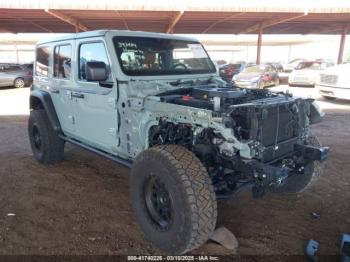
column 96, row 71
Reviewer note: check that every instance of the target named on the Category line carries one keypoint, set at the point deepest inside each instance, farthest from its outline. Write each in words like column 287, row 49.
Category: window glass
column 91, row 52
column 62, row 61
column 269, row 69
column 12, row 68
column 309, row 65
column 254, row 69
column 161, row 56
column 42, row 61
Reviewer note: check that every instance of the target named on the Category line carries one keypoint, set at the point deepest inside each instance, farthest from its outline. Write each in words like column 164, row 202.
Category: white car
column 287, row 68
column 335, row 82
column 307, row 73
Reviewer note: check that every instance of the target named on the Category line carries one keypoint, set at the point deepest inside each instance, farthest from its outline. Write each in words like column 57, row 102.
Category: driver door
column 95, row 104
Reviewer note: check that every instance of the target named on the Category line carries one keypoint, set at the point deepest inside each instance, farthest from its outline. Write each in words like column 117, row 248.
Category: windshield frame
column 145, row 73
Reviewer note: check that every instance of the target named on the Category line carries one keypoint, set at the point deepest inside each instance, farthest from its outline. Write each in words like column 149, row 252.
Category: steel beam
column 220, row 21
column 258, row 50
column 5, row 30
column 174, row 21
column 342, row 44
column 123, row 19
column 70, row 20
column 271, row 22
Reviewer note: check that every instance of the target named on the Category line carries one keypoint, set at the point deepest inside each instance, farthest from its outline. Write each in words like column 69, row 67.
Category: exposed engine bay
column 211, row 97
column 275, row 125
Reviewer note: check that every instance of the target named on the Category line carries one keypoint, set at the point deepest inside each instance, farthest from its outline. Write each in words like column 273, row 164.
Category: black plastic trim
column 46, row 101
column 125, row 162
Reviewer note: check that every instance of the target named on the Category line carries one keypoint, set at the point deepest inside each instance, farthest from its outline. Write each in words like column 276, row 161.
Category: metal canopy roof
column 219, row 17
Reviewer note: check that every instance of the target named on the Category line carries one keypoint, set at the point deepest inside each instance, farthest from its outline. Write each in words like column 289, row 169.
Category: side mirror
column 96, row 71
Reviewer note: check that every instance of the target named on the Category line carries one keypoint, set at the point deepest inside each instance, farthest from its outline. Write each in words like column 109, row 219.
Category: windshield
column 158, row 56
column 254, row 69
column 309, row 65
column 296, row 61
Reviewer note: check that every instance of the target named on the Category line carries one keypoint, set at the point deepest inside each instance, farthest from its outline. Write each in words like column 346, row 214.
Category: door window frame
column 54, row 59
column 90, row 84
column 49, row 64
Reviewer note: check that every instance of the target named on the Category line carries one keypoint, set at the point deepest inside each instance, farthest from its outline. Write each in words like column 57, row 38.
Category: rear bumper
column 28, row 82
column 332, row 91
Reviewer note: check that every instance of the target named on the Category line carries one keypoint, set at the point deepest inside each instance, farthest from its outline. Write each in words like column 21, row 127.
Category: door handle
column 55, row 91
column 77, row 95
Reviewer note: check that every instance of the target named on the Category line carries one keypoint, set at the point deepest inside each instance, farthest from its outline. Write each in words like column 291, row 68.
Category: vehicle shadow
column 11, row 87
column 337, row 101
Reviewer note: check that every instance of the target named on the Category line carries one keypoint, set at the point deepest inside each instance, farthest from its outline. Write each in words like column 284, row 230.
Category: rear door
column 3, row 81
column 7, row 75
column 95, row 103
column 62, row 85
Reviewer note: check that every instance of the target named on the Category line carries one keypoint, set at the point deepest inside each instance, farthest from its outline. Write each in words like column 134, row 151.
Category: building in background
column 19, row 48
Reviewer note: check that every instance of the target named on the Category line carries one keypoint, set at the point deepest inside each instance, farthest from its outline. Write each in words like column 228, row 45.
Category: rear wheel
column 19, row 83
column 173, row 198
column 47, row 147
column 296, row 183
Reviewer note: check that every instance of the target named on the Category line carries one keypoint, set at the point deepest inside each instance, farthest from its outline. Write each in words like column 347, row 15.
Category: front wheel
column 19, row 83
column 173, row 198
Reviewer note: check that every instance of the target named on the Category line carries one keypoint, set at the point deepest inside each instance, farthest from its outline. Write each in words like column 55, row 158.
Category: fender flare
column 46, row 104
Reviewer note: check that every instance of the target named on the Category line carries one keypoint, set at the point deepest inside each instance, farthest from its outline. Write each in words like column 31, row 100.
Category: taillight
column 29, row 73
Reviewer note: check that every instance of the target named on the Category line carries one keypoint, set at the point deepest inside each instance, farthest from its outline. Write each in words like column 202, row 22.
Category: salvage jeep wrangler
column 154, row 103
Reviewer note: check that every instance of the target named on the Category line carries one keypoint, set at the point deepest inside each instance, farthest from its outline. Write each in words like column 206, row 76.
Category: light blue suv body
column 154, row 102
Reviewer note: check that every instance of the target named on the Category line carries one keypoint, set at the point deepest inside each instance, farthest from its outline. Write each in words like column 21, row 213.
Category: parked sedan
column 258, row 76
column 293, row 64
column 335, row 82
column 15, row 75
column 229, row 70
column 307, row 73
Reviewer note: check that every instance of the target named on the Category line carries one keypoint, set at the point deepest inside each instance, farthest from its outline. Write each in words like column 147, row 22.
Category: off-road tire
column 298, row 183
column 192, row 195
column 51, row 147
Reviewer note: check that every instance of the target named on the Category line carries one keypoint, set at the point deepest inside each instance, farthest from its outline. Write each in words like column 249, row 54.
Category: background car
column 292, row 64
column 15, row 75
column 258, row 76
column 335, row 82
column 28, row 66
column 307, row 73
column 277, row 66
column 229, row 70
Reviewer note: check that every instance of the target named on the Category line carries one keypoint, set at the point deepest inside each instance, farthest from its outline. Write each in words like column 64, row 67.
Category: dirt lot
column 81, row 206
